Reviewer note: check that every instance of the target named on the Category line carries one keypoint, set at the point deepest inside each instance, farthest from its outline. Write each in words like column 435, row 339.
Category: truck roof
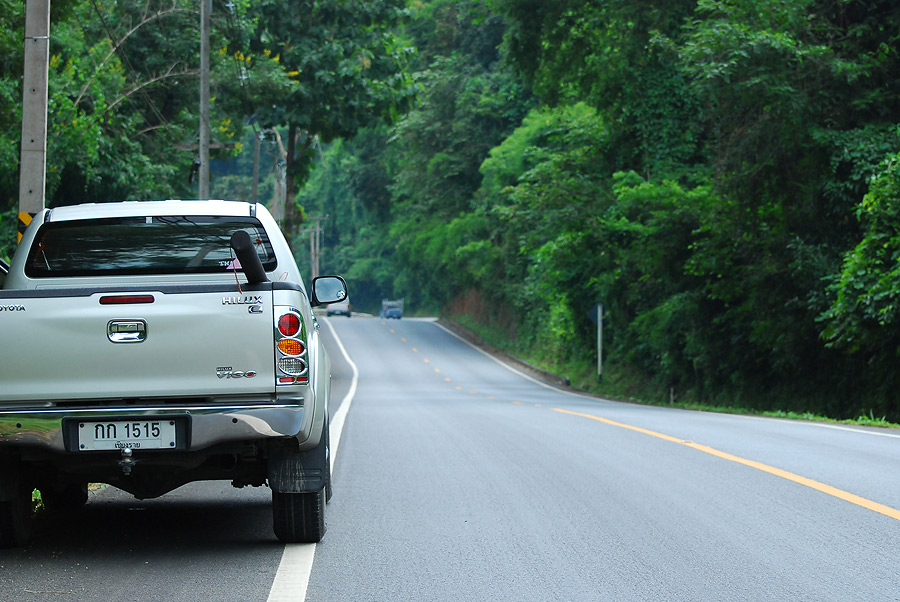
column 149, row 208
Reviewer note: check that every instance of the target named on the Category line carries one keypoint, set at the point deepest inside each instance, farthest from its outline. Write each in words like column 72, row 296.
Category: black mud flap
column 293, row 471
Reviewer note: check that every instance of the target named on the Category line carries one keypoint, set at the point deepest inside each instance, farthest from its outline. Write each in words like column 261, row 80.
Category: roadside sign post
column 599, row 341
column 595, row 315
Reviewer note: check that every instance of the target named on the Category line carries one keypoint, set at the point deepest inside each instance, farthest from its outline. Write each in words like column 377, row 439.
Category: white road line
column 859, row 431
column 292, row 577
column 850, row 429
column 516, row 370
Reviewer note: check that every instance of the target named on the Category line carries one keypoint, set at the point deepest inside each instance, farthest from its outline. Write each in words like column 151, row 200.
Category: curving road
column 459, row 479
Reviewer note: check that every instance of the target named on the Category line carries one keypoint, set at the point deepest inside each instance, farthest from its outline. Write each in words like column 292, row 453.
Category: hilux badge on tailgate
column 245, row 300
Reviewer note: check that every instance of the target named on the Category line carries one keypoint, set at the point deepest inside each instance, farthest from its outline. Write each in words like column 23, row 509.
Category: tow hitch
column 127, row 462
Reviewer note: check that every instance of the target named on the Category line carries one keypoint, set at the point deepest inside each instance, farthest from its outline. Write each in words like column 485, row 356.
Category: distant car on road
column 341, row 308
column 392, row 308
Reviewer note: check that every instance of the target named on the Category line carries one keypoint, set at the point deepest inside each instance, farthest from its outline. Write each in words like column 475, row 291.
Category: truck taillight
column 290, row 348
column 289, row 324
column 293, row 366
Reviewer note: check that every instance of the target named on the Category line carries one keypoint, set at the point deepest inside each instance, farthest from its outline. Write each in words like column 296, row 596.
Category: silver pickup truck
column 151, row 344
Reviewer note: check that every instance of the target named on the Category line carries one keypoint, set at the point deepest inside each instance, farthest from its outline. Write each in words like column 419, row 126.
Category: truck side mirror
column 328, row 289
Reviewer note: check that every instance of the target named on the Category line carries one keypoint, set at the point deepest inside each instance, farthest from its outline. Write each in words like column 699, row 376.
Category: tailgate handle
column 127, row 331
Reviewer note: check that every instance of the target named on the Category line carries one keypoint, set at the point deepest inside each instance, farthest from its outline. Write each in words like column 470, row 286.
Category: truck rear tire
column 67, row 498
column 16, row 521
column 299, row 517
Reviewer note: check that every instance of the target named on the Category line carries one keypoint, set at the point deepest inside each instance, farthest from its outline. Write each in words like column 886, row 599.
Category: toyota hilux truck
column 149, row 344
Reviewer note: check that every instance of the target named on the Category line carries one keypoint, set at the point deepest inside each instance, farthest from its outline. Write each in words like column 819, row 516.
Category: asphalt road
column 459, row 479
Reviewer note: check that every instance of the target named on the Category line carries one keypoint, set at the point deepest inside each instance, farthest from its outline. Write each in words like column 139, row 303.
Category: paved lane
column 460, row 480
column 203, row 541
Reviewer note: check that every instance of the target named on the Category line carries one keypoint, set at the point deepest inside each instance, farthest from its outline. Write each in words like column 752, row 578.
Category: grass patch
column 37, row 500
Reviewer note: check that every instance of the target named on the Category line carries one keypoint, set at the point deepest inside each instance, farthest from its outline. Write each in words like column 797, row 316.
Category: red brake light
column 125, row 299
column 289, row 324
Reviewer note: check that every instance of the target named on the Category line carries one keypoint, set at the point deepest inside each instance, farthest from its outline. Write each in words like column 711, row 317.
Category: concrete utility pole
column 33, row 159
column 257, row 144
column 314, row 250
column 315, row 243
column 205, row 9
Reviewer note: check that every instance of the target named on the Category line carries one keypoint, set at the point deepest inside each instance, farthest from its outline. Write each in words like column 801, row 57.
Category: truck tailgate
column 173, row 344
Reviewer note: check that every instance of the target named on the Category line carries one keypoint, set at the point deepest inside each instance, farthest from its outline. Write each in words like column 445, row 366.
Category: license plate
column 121, row 434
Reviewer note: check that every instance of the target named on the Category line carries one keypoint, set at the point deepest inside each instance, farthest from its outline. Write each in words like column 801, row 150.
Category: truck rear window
column 142, row 245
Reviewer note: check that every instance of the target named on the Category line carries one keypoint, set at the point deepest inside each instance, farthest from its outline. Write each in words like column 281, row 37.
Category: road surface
column 457, row 478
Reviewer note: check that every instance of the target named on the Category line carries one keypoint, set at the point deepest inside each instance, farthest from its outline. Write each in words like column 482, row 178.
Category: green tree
column 866, row 308
column 544, row 188
column 467, row 104
column 346, row 65
column 610, row 55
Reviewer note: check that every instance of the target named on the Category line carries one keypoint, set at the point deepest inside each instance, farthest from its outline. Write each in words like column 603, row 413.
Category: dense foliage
column 722, row 175
column 124, row 89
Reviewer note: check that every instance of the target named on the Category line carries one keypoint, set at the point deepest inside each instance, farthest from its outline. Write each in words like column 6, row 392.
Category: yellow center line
column 822, row 487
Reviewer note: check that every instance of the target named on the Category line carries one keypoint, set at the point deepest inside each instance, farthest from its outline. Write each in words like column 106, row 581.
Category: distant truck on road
column 392, row 308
